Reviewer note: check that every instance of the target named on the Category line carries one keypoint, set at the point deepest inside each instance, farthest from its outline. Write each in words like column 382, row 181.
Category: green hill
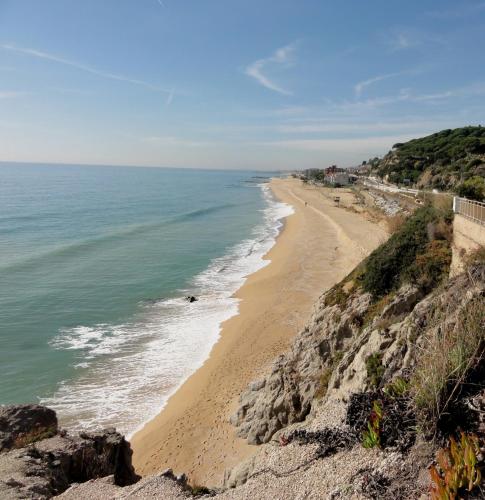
column 444, row 160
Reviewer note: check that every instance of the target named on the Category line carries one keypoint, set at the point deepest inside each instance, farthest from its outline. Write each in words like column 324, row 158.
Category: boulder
column 47, row 466
column 21, row 425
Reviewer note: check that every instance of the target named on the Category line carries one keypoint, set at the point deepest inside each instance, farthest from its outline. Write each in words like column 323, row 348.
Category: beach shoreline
column 316, row 247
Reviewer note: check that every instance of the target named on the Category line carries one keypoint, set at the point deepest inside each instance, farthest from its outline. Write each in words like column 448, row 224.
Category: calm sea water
column 94, row 266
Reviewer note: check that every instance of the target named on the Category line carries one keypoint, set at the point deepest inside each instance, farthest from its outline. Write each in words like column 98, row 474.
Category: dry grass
column 322, row 387
column 442, row 201
column 395, row 222
column 476, row 257
column 452, row 347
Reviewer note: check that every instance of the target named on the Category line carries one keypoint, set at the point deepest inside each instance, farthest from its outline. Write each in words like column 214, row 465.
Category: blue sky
column 255, row 84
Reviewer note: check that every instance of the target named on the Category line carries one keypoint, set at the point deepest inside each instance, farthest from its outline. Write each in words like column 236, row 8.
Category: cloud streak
column 170, row 97
column 359, row 145
column 83, row 67
column 257, row 69
column 172, row 141
column 12, row 94
column 462, row 10
column 359, row 87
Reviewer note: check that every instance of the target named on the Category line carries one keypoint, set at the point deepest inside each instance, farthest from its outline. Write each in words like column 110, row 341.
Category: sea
column 96, row 263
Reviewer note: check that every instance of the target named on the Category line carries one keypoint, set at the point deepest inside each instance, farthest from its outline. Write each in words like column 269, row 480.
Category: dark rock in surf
column 191, row 298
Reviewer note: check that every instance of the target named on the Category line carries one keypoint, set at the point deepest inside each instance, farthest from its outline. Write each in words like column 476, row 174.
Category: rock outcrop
column 24, row 424
column 285, row 396
column 38, row 461
column 329, row 357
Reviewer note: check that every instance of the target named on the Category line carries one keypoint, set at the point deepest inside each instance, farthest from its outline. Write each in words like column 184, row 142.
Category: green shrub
column 473, row 188
column 474, row 163
column 387, row 265
column 430, row 267
column 397, row 388
column 371, row 438
column 336, row 296
column 375, row 369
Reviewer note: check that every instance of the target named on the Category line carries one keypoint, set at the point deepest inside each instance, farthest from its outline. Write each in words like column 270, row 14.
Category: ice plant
column 458, row 468
column 372, row 436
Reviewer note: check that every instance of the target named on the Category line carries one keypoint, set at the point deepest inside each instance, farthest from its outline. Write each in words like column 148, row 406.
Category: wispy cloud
column 72, row 91
column 257, row 69
column 165, row 140
column 463, row 9
column 357, row 127
column 170, row 97
column 361, row 145
column 12, row 94
column 407, row 95
column 404, row 41
column 83, row 67
column 435, row 97
column 359, row 87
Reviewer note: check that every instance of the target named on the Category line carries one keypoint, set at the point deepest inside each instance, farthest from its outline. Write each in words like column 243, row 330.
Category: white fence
column 473, row 210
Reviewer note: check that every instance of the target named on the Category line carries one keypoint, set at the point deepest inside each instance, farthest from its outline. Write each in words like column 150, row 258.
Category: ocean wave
column 128, row 371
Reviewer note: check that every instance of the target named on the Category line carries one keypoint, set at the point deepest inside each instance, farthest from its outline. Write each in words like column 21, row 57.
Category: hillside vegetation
column 444, row 160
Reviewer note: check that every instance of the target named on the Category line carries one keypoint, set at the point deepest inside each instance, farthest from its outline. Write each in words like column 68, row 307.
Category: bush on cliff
column 418, row 251
column 473, row 188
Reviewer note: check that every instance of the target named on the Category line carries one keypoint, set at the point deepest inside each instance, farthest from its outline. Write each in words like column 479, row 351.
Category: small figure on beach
column 191, row 298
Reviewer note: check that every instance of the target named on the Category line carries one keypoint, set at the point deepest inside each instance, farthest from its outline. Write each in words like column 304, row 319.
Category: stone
column 51, row 464
column 21, row 425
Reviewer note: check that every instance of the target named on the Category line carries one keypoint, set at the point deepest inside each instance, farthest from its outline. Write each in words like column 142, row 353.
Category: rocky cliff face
column 347, row 347
column 328, row 381
column 286, row 395
column 39, row 461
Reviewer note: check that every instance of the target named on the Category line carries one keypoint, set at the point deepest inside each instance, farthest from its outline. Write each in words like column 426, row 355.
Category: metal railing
column 473, row 210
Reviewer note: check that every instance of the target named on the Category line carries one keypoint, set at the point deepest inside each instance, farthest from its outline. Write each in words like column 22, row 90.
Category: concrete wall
column 467, row 236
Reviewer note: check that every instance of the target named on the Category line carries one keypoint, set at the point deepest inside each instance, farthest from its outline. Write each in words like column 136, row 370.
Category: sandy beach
column 319, row 245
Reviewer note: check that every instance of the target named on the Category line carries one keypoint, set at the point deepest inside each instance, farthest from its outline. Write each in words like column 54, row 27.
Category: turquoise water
column 94, row 266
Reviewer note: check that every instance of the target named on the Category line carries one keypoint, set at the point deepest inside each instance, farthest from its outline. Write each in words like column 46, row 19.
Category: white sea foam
column 128, row 371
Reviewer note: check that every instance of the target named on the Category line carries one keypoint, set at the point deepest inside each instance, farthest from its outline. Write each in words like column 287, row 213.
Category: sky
column 253, row 84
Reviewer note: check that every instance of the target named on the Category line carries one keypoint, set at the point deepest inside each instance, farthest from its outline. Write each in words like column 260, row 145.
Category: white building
column 338, row 178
